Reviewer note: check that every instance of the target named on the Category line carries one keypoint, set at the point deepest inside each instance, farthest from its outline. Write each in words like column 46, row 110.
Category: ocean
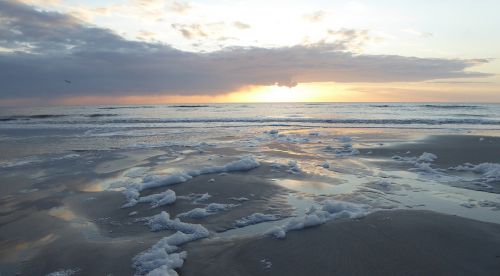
column 77, row 127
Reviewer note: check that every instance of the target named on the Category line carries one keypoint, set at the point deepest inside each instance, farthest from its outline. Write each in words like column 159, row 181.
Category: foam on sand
column 156, row 200
column 490, row 171
column 292, row 167
column 154, row 181
column 383, row 185
column 239, row 199
column 424, row 157
column 161, row 258
column 162, row 221
column 346, row 150
column 211, row 209
column 64, row 272
column 325, row 165
column 331, row 209
column 244, row 164
column 344, row 139
column 132, row 191
column 254, row 219
column 421, row 163
column 196, row 198
column 427, row 157
column 204, row 197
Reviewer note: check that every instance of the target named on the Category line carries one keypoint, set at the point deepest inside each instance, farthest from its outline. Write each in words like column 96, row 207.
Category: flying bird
column 67, row 81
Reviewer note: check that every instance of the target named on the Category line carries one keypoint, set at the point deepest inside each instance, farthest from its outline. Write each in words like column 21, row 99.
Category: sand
column 65, row 227
column 452, row 150
column 56, row 216
column 383, row 243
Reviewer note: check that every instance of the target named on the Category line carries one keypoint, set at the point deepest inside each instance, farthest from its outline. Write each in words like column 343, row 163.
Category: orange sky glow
column 308, row 92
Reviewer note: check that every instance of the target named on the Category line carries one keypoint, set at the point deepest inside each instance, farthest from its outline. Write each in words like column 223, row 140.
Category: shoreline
column 60, row 210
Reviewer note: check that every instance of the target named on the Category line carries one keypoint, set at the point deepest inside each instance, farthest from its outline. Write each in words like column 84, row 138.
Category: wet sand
column 452, row 150
column 383, row 243
column 65, row 226
column 68, row 221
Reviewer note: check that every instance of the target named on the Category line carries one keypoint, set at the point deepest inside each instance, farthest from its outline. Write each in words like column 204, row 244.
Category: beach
column 383, row 243
column 251, row 189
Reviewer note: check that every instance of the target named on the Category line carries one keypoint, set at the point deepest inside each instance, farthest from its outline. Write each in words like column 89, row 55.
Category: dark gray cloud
column 22, row 27
column 55, row 47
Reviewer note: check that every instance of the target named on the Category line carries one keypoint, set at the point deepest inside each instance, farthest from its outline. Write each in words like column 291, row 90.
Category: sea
column 27, row 131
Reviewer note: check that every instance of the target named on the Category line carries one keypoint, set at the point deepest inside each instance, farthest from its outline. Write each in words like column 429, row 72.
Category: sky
column 166, row 51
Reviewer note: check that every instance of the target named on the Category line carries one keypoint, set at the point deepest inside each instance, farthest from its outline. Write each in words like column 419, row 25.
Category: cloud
column 40, row 32
column 241, row 25
column 461, row 82
column 190, row 31
column 145, row 35
column 180, row 7
column 147, row 3
column 352, row 39
column 315, row 17
column 36, row 2
column 152, row 9
column 417, row 33
column 45, row 48
column 193, row 31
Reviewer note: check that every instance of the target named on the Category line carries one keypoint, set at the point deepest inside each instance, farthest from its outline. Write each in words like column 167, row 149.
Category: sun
column 272, row 93
column 303, row 92
column 277, row 94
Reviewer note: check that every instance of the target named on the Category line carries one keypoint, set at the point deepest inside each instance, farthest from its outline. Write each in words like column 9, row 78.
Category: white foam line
column 161, row 258
column 132, row 192
column 331, row 209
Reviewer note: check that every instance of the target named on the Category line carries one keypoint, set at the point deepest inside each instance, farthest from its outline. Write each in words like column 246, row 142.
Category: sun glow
column 301, row 93
column 270, row 94
column 304, row 92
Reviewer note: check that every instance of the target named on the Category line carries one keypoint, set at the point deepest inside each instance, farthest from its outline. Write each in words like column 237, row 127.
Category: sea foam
column 331, row 209
column 132, row 191
column 162, row 258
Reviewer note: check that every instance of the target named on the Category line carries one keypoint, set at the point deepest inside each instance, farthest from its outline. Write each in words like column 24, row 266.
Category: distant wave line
column 441, row 121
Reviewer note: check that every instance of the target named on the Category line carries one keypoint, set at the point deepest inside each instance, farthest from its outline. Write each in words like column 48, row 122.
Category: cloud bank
column 42, row 49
